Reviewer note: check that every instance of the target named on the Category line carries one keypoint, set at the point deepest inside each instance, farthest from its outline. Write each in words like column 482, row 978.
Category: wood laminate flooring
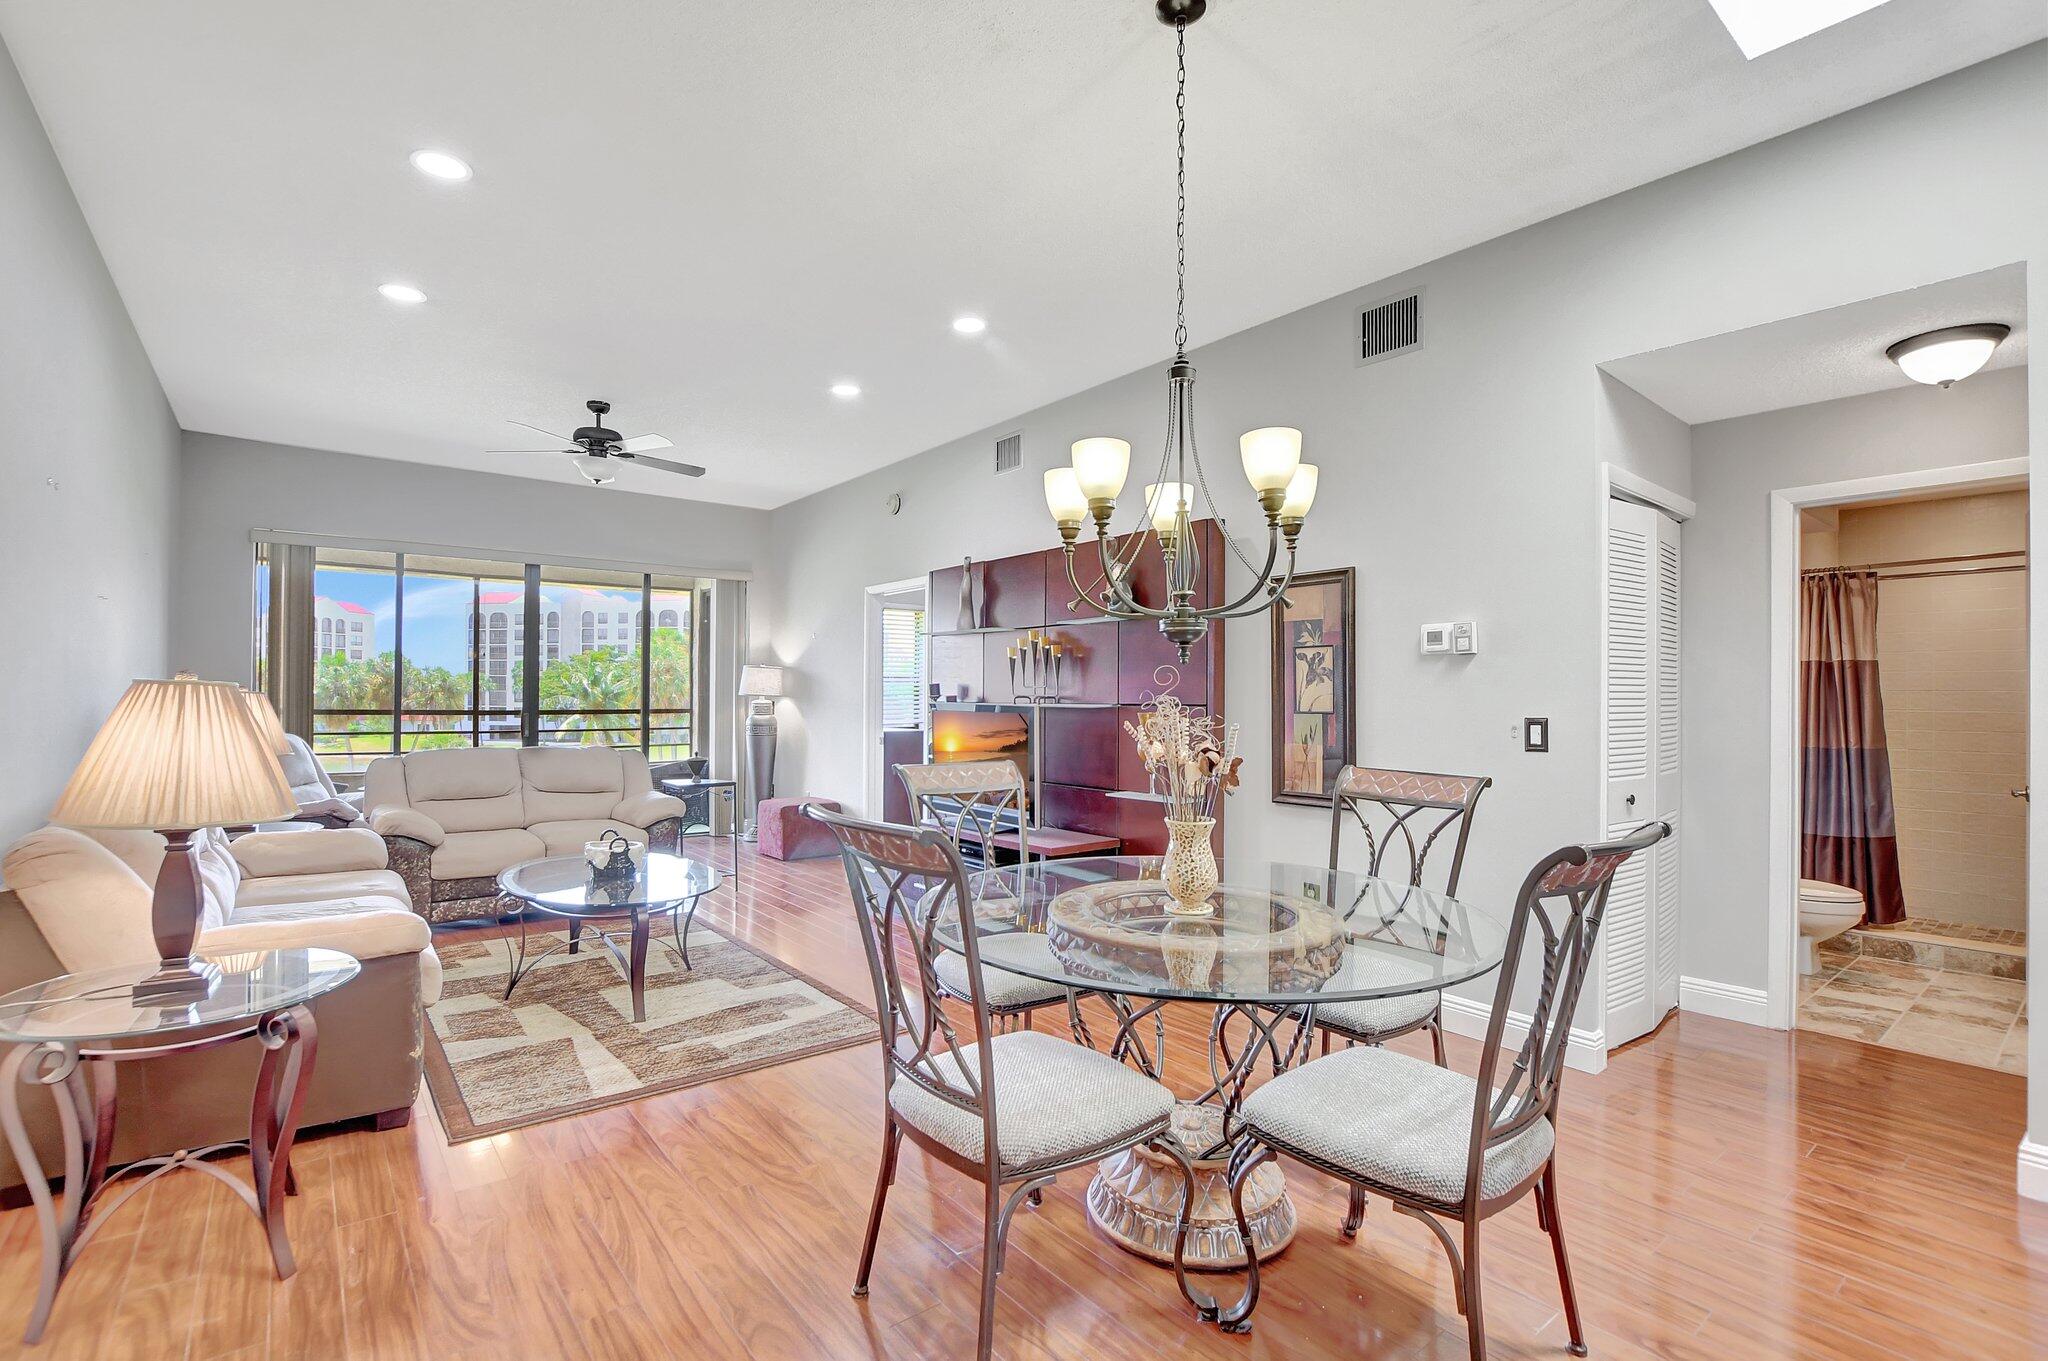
column 1727, row 1191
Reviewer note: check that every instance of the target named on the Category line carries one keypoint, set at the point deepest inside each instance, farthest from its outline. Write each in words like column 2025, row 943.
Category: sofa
column 81, row 900
column 452, row 820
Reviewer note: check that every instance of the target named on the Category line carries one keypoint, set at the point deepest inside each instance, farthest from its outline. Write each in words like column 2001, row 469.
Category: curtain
column 1848, row 835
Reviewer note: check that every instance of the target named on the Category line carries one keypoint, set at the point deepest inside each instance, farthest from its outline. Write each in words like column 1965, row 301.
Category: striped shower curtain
column 1848, row 835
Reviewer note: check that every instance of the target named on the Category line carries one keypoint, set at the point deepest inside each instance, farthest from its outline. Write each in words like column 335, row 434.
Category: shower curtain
column 1848, row 835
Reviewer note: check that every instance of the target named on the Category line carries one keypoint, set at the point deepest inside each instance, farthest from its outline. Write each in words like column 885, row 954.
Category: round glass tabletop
column 561, row 884
column 1279, row 934
column 98, row 1004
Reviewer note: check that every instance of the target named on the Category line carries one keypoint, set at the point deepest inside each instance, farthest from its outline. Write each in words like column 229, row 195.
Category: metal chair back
column 1410, row 809
column 984, row 797
column 1566, row 896
column 907, row 881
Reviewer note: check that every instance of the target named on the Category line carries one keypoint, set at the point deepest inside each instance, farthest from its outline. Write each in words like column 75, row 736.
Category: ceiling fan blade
column 577, row 452
column 549, row 433
column 686, row 469
column 643, row 442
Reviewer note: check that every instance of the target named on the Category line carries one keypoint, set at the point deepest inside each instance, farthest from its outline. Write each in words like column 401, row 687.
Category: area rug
column 566, row 1042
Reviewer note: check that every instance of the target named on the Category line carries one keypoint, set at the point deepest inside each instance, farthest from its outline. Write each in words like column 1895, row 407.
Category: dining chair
column 1437, row 1144
column 1011, row 1111
column 974, row 801
column 1412, row 810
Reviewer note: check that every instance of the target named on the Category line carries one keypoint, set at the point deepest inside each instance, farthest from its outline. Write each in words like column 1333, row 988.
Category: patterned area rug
column 566, row 1042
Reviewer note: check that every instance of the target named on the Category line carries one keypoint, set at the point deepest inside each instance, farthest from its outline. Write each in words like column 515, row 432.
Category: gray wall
column 88, row 453
column 1461, row 481
column 1726, row 645
column 229, row 487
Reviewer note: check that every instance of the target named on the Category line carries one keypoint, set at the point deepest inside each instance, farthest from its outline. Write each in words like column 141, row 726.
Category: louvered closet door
column 1640, row 934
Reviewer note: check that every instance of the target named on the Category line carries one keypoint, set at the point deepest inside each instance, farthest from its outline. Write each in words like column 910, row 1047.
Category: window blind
column 903, row 645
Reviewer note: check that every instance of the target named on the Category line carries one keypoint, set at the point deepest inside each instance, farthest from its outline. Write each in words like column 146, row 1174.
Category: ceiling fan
column 593, row 447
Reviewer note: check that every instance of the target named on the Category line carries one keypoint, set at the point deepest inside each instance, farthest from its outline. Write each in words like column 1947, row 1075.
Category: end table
column 76, row 1024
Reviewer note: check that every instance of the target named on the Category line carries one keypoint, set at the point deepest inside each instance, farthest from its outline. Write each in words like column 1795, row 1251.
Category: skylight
column 1760, row 26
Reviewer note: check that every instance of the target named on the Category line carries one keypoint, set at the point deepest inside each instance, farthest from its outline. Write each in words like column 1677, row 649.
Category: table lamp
column 175, row 756
column 763, row 685
column 267, row 721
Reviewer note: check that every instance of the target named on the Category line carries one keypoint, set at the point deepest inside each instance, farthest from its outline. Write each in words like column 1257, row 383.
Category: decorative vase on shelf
column 1189, row 869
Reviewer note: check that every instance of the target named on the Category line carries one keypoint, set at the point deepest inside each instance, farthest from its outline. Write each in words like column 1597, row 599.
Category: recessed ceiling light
column 969, row 326
column 1760, row 26
column 404, row 293
column 1946, row 357
column 440, row 165
column 846, row 389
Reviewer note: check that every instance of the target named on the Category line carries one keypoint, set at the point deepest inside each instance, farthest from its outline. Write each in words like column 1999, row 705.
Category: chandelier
column 1285, row 486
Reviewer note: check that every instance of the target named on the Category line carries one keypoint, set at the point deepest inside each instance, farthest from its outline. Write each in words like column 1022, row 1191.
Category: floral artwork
column 1314, row 687
column 1191, row 759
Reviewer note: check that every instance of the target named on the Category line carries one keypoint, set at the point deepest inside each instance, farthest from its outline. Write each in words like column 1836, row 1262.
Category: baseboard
column 2033, row 1180
column 1586, row 1050
column 1729, row 1001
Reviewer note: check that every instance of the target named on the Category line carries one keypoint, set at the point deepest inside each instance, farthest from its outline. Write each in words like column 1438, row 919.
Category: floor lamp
column 176, row 756
column 763, row 685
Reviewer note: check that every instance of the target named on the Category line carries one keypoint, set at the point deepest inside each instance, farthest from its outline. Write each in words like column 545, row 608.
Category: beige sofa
column 454, row 819
column 77, row 900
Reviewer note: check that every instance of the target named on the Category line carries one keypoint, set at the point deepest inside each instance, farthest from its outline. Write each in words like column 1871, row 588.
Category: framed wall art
column 1315, row 686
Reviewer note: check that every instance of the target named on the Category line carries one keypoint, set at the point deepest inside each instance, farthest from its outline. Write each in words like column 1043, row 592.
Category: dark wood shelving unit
column 1088, row 766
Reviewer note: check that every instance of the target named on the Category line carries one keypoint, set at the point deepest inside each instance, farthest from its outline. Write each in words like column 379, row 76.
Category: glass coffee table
column 67, row 1035
column 666, row 885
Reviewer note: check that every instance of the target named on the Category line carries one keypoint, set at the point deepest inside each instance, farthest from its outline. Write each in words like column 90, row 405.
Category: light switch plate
column 1436, row 638
column 1465, row 639
column 1535, row 734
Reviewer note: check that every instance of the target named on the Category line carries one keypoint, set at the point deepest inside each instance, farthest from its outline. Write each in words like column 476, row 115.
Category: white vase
column 1189, row 869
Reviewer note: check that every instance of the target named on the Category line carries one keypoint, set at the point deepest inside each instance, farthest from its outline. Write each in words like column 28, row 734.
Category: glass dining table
column 1278, row 941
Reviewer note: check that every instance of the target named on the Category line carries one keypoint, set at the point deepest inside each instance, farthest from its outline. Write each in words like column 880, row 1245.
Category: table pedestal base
column 1135, row 1194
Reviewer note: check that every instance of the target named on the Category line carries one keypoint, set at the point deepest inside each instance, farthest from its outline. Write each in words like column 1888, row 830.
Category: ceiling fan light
column 593, row 469
column 1101, row 466
column 1944, row 358
column 1270, row 456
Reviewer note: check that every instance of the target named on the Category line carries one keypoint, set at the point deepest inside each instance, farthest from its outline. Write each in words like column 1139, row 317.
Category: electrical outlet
column 1311, row 890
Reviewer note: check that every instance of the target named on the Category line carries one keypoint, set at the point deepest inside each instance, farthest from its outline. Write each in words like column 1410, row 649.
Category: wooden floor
column 1728, row 1192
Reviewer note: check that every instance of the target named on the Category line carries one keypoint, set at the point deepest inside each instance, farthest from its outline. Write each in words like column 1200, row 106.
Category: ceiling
column 709, row 212
column 1823, row 355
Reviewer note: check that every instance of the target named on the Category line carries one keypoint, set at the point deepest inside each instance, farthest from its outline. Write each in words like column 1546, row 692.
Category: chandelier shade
column 1270, row 456
column 1063, row 496
column 1101, row 467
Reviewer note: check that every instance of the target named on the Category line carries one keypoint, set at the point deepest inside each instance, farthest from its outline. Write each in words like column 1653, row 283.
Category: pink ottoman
column 786, row 834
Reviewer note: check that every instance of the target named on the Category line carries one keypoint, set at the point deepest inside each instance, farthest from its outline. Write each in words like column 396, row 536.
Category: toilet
column 1825, row 911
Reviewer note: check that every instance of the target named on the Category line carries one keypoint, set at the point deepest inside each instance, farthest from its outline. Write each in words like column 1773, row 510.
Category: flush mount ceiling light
column 440, row 165
column 1284, row 485
column 969, row 326
column 1760, row 26
column 1944, row 358
column 403, row 293
column 846, row 389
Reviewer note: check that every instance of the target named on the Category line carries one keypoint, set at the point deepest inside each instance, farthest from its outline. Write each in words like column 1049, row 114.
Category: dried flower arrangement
column 1192, row 760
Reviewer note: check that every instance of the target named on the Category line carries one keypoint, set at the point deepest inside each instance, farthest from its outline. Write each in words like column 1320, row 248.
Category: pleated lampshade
column 267, row 721
column 176, row 754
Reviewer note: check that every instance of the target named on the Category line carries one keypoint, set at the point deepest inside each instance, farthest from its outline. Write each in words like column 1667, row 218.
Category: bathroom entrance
column 1911, row 725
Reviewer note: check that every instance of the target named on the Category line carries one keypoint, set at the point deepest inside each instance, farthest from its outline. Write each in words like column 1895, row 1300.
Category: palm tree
column 596, row 684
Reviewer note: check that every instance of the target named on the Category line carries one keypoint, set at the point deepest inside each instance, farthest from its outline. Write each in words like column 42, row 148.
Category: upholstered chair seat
column 1391, row 1121
column 1006, row 991
column 1054, row 1101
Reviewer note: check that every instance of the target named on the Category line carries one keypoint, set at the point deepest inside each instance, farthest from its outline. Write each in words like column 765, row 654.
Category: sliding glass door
column 412, row 652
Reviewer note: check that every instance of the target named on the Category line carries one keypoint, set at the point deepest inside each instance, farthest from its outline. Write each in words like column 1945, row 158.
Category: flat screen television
column 987, row 732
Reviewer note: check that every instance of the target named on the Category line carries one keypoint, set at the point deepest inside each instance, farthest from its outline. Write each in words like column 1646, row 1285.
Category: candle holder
column 1038, row 669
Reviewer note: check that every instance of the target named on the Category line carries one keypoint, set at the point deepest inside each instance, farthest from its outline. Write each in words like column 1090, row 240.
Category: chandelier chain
column 1180, row 165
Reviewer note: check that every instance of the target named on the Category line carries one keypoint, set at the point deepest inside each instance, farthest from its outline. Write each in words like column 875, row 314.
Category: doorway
column 1912, row 717
column 895, row 632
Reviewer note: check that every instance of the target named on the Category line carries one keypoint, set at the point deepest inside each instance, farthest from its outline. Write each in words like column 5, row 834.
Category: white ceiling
column 1823, row 355
column 710, row 211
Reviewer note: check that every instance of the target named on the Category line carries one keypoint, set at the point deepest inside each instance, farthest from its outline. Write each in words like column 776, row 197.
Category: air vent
column 1010, row 453
column 1390, row 328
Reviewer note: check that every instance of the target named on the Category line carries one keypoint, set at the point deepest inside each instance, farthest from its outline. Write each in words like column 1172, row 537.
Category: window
column 903, row 646
column 408, row 652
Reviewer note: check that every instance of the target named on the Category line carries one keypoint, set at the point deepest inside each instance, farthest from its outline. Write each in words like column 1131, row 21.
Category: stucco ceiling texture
column 709, row 212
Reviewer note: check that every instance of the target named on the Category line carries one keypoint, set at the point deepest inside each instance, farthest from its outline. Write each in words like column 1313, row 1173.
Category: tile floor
column 1965, row 1017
